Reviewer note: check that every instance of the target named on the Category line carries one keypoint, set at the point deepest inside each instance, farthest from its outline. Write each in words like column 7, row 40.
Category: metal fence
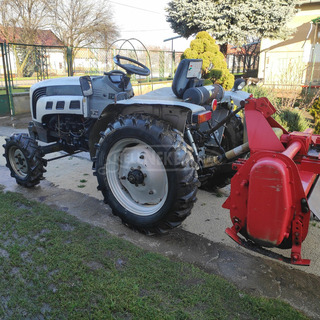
column 243, row 64
column 28, row 64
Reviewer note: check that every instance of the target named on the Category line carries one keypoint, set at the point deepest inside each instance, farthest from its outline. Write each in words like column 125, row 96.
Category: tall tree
column 20, row 21
column 232, row 21
column 80, row 23
column 77, row 23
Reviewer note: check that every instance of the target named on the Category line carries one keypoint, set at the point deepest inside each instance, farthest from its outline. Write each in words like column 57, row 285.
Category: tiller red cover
column 268, row 202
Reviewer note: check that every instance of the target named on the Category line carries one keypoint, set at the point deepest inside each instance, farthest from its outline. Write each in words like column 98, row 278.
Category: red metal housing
column 268, row 200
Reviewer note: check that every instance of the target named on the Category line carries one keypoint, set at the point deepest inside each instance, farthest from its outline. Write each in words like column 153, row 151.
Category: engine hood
column 66, row 81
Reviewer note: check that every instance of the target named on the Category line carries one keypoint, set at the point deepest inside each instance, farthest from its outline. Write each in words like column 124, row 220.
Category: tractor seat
column 188, row 75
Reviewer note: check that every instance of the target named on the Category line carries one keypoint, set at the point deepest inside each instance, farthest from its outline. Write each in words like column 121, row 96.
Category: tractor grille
column 37, row 94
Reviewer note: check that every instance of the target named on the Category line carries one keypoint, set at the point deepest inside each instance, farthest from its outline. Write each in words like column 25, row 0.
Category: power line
column 126, row 5
column 146, row 30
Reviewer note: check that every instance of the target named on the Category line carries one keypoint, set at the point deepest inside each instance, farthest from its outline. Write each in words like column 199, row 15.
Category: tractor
column 150, row 153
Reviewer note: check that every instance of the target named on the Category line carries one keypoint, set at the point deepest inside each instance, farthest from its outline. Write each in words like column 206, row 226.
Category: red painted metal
column 268, row 199
column 292, row 150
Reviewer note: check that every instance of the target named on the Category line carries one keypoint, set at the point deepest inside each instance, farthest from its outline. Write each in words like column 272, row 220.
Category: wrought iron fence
column 23, row 65
column 243, row 64
column 28, row 64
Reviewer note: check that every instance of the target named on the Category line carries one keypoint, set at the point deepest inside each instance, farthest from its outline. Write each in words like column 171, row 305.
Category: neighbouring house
column 89, row 60
column 45, row 55
column 43, row 37
column 295, row 62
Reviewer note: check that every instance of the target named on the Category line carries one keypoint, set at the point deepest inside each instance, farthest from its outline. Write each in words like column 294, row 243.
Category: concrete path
column 70, row 186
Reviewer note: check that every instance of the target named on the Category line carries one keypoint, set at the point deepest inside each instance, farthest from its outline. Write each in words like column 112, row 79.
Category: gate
column 4, row 105
column 5, row 99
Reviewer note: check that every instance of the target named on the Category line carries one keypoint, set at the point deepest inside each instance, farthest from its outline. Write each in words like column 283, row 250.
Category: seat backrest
column 188, row 75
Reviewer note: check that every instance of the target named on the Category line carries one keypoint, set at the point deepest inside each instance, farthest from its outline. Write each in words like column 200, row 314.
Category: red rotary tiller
column 269, row 193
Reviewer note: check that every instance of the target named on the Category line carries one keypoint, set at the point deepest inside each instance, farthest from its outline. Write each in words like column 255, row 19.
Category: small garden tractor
column 150, row 153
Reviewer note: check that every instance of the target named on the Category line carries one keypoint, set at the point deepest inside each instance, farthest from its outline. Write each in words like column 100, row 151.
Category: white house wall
column 289, row 62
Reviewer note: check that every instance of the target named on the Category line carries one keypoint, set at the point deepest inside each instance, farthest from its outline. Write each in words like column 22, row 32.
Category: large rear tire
column 24, row 159
column 146, row 173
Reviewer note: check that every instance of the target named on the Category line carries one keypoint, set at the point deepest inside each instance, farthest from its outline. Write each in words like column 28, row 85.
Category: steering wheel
column 135, row 68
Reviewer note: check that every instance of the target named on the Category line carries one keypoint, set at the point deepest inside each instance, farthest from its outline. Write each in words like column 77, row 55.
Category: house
column 89, row 60
column 45, row 55
column 43, row 37
column 295, row 62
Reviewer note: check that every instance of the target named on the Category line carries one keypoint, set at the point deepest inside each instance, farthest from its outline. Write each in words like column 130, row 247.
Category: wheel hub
column 18, row 162
column 136, row 177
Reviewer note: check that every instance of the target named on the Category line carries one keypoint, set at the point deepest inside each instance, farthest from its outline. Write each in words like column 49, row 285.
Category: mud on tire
column 146, row 173
column 24, row 160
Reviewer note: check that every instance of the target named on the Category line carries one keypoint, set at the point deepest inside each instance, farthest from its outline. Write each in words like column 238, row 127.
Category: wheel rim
column 137, row 177
column 18, row 162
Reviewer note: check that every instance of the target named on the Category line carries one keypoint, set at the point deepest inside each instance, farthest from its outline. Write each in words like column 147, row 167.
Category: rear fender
column 177, row 116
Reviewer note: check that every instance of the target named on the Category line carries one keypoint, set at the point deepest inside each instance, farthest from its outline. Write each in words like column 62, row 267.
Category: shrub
column 290, row 110
column 259, row 92
column 315, row 112
column 214, row 66
column 292, row 120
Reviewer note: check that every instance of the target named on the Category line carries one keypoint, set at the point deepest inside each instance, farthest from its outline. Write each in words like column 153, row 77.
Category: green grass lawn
column 15, row 90
column 54, row 267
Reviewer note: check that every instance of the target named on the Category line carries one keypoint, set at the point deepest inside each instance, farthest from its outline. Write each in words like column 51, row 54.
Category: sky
column 146, row 21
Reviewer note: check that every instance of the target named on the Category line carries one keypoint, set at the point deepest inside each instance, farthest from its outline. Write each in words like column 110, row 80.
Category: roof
column 308, row 1
column 43, row 37
column 248, row 48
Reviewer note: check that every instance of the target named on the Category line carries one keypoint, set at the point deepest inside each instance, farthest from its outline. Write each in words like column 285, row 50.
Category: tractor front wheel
column 24, row 159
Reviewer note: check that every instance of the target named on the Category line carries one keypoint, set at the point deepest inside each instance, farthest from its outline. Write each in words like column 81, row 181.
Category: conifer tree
column 232, row 21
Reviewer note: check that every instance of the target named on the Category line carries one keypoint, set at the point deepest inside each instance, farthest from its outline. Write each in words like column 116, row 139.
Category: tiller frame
column 268, row 202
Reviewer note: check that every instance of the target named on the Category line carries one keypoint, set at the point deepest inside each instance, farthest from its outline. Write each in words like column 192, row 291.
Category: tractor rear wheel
column 146, row 173
column 24, row 159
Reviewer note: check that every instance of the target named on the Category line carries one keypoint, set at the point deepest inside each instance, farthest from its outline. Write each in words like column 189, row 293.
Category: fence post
column 69, row 61
column 173, row 63
column 6, row 69
column 161, row 65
